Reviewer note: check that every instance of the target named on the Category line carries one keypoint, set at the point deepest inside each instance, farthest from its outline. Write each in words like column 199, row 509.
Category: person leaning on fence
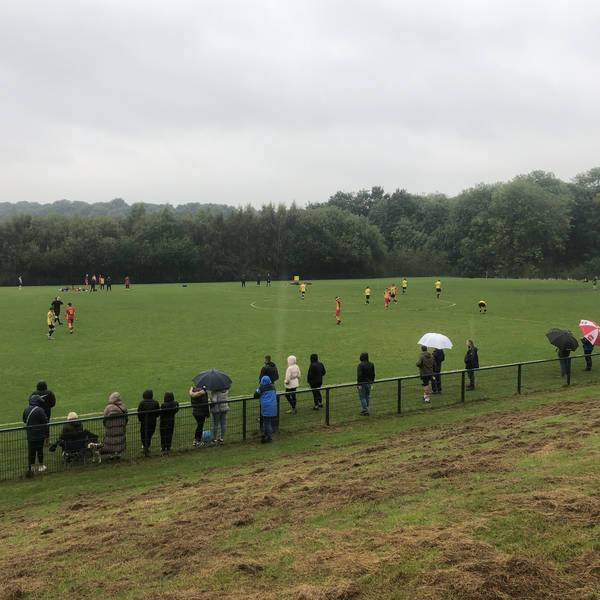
column 219, row 407
column 436, row 383
column 168, row 409
column 426, row 364
column 588, row 348
column 564, row 360
column 115, row 426
column 268, row 408
column 38, row 432
column 315, row 379
column 365, row 376
column 269, row 369
column 147, row 415
column 200, row 411
column 471, row 362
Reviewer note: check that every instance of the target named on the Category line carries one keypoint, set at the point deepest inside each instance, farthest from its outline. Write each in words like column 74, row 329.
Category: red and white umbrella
column 591, row 331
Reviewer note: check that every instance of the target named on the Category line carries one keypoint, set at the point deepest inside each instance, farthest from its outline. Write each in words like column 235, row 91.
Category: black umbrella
column 212, row 379
column 563, row 339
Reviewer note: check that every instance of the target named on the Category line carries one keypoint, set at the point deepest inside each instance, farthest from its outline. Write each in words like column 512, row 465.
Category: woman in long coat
column 115, row 425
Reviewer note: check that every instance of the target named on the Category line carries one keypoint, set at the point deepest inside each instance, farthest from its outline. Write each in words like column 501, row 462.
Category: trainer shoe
column 42, row 468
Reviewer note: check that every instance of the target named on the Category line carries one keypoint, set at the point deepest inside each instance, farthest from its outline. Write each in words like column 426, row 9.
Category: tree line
column 532, row 226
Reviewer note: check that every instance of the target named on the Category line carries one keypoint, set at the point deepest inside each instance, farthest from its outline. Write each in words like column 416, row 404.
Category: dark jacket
column 56, row 304
column 315, row 372
column 200, row 406
column 365, row 372
column 34, row 416
column 471, row 358
column 439, row 357
column 148, row 412
column 168, row 408
column 426, row 363
column 587, row 346
column 270, row 370
column 74, row 437
column 48, row 399
column 268, row 397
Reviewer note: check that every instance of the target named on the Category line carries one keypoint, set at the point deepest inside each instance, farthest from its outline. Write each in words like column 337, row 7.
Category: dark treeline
column 532, row 226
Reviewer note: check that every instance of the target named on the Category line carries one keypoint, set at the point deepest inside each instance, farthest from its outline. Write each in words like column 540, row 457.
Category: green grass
column 160, row 336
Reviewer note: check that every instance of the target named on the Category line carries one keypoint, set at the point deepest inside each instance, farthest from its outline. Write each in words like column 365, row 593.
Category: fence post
column 569, row 371
column 519, row 378
column 327, row 406
column 244, row 419
column 462, row 386
column 399, row 396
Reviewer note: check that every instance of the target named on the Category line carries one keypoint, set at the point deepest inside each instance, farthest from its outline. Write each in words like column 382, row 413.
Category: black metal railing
column 340, row 404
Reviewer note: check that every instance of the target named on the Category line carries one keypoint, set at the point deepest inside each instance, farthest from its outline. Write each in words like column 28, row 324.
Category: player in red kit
column 338, row 309
column 70, row 312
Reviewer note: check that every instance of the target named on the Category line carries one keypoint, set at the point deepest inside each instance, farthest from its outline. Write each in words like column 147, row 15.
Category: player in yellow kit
column 404, row 286
column 438, row 288
column 303, row 289
column 50, row 322
column 367, row 295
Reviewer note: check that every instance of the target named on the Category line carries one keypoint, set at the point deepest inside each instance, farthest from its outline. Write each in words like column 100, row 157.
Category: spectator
column 47, row 396
column 588, row 348
column 426, row 364
column 268, row 408
column 292, row 381
column 75, row 440
column 147, row 415
column 471, row 362
column 365, row 376
column 115, row 426
column 315, row 380
column 269, row 369
column 439, row 357
column 219, row 407
column 167, row 422
column 565, row 361
column 34, row 417
column 200, row 410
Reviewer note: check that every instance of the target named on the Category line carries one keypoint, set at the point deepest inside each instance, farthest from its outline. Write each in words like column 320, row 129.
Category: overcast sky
column 245, row 101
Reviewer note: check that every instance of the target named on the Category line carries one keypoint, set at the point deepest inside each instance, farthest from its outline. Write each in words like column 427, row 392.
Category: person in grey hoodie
column 38, row 432
column 219, row 407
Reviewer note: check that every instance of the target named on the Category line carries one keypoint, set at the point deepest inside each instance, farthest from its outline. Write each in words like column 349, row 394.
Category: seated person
column 76, row 442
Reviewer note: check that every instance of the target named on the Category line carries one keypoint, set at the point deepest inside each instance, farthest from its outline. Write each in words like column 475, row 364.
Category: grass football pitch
column 160, row 336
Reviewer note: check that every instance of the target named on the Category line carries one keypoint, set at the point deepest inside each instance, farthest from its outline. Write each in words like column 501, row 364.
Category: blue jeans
column 219, row 418
column 267, row 427
column 364, row 394
column 565, row 366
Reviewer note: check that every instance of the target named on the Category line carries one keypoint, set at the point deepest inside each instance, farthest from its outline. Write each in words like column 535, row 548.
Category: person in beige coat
column 292, row 381
column 115, row 426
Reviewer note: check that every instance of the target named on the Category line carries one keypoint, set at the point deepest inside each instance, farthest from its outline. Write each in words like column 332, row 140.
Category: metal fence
column 340, row 405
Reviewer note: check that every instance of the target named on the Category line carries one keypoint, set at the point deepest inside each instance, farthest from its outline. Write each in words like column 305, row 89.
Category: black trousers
column 317, row 396
column 35, row 448
column 146, row 432
column 166, row 437
column 290, row 394
column 199, row 427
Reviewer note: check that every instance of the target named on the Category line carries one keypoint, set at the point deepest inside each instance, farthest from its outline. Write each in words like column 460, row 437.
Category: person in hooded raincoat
column 268, row 407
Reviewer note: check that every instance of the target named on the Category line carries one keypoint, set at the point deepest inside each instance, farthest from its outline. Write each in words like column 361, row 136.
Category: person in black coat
column 34, row 417
column 471, row 362
column 269, row 369
column 147, row 414
column 47, row 396
column 200, row 411
column 315, row 380
column 439, row 357
column 167, row 421
column 365, row 376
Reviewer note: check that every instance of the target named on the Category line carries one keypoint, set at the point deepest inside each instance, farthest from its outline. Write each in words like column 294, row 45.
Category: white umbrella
column 435, row 340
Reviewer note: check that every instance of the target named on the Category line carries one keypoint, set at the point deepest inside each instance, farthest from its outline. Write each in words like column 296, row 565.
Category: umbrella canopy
column 213, row 380
column 590, row 331
column 435, row 340
column 562, row 339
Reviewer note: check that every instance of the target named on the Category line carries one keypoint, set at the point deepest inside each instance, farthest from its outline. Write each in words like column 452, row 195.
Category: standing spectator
column 426, row 364
column 471, row 362
column 168, row 409
column 127, row 282
column 147, row 414
column 219, row 407
column 268, row 408
column 50, row 322
column 439, row 357
column 269, row 279
column 34, row 417
column 365, row 376
column 115, row 426
column 565, row 361
column 588, row 348
column 70, row 312
column 200, row 411
column 292, row 381
column 315, row 380
column 269, row 369
column 47, row 396
column 56, row 304
column 108, row 283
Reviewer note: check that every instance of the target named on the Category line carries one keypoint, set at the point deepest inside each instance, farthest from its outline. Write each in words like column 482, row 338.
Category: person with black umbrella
column 564, row 341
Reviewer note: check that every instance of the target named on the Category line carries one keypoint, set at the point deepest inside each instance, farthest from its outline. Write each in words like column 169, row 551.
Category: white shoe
column 42, row 468
column 426, row 399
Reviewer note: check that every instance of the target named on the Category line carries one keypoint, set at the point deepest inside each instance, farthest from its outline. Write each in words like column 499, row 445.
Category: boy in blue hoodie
column 268, row 408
